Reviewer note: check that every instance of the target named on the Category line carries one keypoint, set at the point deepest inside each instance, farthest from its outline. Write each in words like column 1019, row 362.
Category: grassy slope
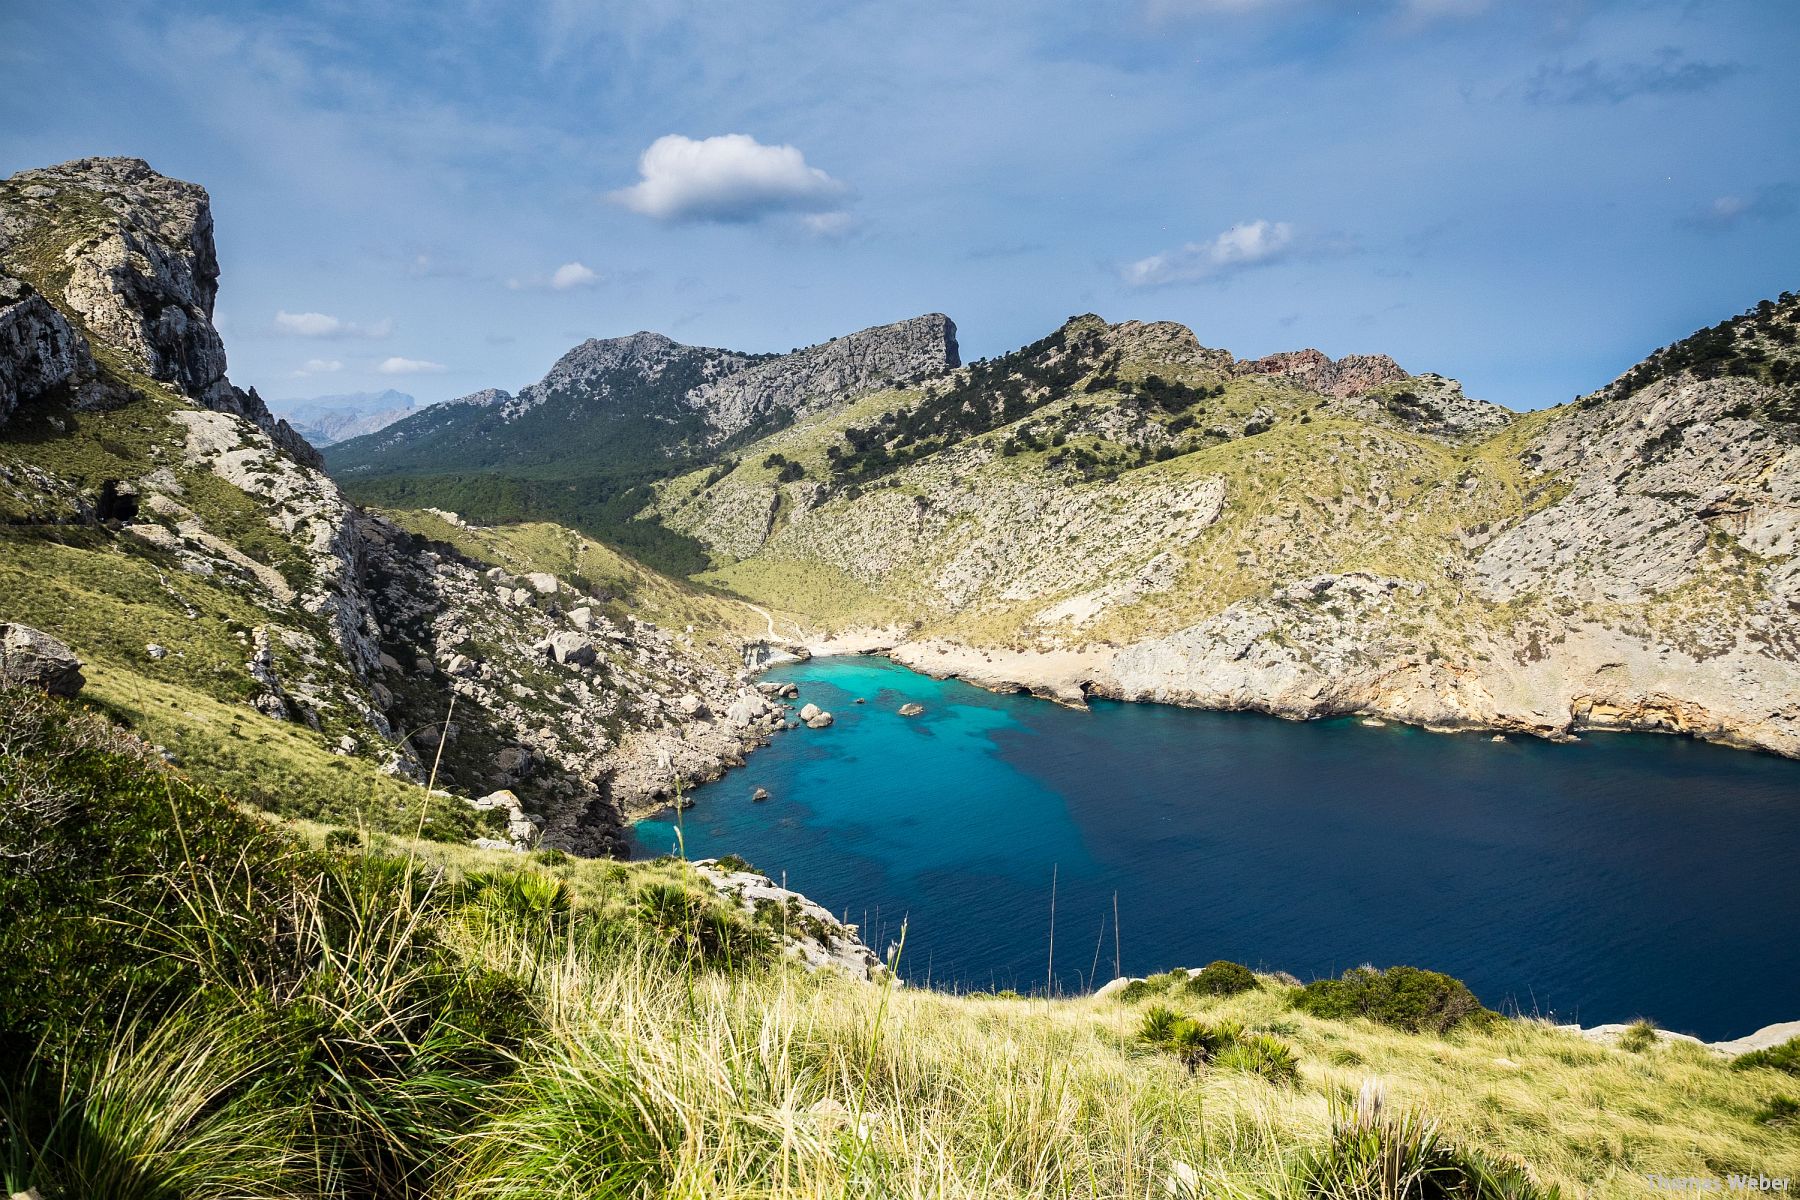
column 623, row 1070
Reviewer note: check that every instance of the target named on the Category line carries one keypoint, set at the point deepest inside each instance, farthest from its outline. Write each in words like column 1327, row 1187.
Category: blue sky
column 442, row 195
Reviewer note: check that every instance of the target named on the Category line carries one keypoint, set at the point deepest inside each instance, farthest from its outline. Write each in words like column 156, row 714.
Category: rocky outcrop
column 41, row 354
column 128, row 255
column 1317, row 372
column 30, row 658
column 808, row 932
column 830, row 373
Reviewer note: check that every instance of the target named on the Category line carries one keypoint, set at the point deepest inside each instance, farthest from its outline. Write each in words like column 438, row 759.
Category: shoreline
column 1071, row 677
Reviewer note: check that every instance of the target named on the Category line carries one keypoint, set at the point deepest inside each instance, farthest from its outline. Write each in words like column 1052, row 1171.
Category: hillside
column 614, row 414
column 1119, row 511
column 443, row 1022
column 233, row 606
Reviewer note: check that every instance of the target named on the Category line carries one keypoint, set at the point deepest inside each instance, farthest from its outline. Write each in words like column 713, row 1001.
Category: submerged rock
column 911, row 710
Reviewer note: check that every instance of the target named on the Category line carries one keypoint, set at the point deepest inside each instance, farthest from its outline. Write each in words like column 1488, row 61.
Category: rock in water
column 819, row 720
column 29, row 656
column 759, row 795
column 810, row 711
column 911, row 710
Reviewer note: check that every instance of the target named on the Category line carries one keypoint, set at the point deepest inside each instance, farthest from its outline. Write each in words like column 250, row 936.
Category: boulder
column 744, row 710
column 911, row 710
column 819, row 720
column 155, row 652
column 572, row 650
column 542, row 582
column 28, row 656
column 693, row 706
column 759, row 795
column 809, row 711
column 582, row 618
column 459, row 665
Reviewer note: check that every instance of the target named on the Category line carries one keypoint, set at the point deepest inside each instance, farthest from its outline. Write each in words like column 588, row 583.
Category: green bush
column 1408, row 998
column 1638, row 1036
column 1137, row 989
column 1374, row 1154
column 1222, row 978
column 1782, row 1111
column 1261, row 1054
column 1785, row 1057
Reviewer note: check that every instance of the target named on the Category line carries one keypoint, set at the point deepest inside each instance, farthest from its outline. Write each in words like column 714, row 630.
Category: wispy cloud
column 1240, row 248
column 410, row 366
column 732, row 178
column 1771, row 203
column 324, row 325
column 1595, row 82
column 318, row 366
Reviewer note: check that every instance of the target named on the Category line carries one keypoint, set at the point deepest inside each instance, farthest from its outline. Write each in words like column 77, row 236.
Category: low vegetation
column 202, row 1002
column 1408, row 998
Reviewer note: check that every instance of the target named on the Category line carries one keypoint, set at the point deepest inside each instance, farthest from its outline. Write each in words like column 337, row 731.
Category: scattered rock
column 809, row 711
column 693, row 706
column 582, row 618
column 819, row 720
column 543, row 583
column 759, row 795
column 911, row 710
column 155, row 652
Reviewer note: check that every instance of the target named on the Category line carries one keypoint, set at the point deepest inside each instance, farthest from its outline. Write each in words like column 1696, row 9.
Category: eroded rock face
column 41, row 354
column 832, row 372
column 133, row 253
column 1317, row 372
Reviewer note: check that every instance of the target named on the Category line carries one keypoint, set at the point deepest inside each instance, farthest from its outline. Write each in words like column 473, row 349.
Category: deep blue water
column 1629, row 875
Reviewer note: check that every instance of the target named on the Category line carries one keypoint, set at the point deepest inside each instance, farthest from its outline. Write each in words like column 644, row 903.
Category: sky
column 444, row 195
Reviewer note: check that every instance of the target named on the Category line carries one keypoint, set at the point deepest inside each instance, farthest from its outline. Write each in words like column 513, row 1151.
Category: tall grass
column 273, row 1020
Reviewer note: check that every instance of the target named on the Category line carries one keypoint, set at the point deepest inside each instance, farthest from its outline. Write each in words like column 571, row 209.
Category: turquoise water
column 1625, row 876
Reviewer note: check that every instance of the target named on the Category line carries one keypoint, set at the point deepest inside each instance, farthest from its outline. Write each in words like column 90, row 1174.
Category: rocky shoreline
column 1439, row 698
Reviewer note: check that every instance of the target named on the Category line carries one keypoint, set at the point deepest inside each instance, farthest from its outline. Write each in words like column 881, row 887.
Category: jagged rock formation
column 129, row 254
column 827, row 375
column 41, row 355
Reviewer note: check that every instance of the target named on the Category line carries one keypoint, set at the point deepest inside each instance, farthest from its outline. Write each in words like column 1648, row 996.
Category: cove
column 1625, row 876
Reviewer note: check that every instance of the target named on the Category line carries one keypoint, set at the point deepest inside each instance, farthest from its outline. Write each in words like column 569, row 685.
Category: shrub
column 1638, row 1036
column 1785, row 1057
column 1378, row 1155
column 1782, row 1111
column 1260, row 1054
column 1189, row 1040
column 1222, row 978
column 1137, row 989
column 1404, row 997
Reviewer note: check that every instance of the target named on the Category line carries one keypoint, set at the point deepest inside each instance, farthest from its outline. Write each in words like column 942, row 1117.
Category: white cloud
column 569, row 275
column 324, row 325
column 410, row 366
column 572, row 275
column 729, row 178
column 319, row 366
column 829, row 224
column 1251, row 244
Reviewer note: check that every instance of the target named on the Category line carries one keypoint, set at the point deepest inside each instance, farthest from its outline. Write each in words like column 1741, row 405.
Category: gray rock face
column 1317, row 372
column 40, row 352
column 829, row 373
column 29, row 657
column 142, row 273
column 592, row 369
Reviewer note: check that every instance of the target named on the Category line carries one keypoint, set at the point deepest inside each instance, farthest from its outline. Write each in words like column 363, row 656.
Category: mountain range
column 323, row 420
